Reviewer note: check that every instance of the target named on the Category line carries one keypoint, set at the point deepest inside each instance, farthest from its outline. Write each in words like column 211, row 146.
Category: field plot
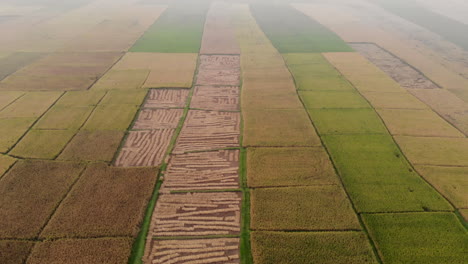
column 105, row 202
column 99, row 250
column 12, row 129
column 165, row 69
column 220, row 250
column 197, row 214
column 215, row 98
column 270, row 167
column 219, row 36
column 144, row 148
column 407, row 238
column 15, row 61
column 5, row 163
column 42, row 144
column 80, row 98
column 111, row 117
column 333, row 99
column 219, row 70
column 7, row 98
column 15, row 252
column 208, row 130
column 179, row 29
column 117, row 97
column 64, row 117
column 390, row 100
column 122, row 80
column 158, row 119
column 166, row 98
column 301, row 247
column 290, row 31
column 22, row 215
column 61, row 71
column 32, row 104
column 302, row 208
column 216, row 170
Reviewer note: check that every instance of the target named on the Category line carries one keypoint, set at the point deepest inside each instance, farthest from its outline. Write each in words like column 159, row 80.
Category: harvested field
column 61, row 71
column 76, row 251
column 42, row 144
column 93, row 146
column 333, row 99
column 118, row 97
column 5, row 163
column 105, row 202
column 295, row 32
column 388, row 100
column 14, row 252
column 347, row 121
column 30, row 192
column 270, row 167
column 215, row 98
column 219, row 250
column 12, row 129
column 64, row 117
column 435, row 150
column 7, row 98
column 219, row 36
column 287, row 128
column 166, row 98
column 32, row 104
column 377, row 176
column 166, row 69
column 425, row 123
column 197, row 214
column 15, row 61
column 302, row 247
column 158, row 119
column 302, row 208
column 450, row 181
column 208, row 130
column 407, row 76
column 144, row 148
column 219, row 70
column 406, row 238
column 216, row 170
column 122, row 80
column 80, row 98
column 111, row 117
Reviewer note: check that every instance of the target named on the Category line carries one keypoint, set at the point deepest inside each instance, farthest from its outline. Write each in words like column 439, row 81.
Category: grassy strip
column 292, row 31
column 245, row 243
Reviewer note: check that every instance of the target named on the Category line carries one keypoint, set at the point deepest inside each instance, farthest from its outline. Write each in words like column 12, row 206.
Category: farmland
column 245, row 131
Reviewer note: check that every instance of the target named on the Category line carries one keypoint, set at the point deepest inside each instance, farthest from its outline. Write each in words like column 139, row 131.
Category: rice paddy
column 240, row 132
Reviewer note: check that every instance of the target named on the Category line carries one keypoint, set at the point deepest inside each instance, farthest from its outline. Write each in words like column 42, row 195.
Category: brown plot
column 158, row 119
column 219, row 70
column 166, row 98
column 216, row 98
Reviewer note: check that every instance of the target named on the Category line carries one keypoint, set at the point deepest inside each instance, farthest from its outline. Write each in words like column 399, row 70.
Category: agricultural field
column 237, row 132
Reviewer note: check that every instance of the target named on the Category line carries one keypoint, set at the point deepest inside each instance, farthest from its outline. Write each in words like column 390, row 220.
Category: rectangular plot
column 32, row 104
column 215, row 98
column 12, row 129
column 347, row 121
column 61, row 71
column 158, row 119
column 93, row 146
column 197, row 214
column 23, row 215
column 387, row 100
column 15, row 252
column 332, row 99
column 402, row 122
column 111, row 117
column 119, row 97
column 81, row 98
column 166, row 98
column 219, row 70
column 64, row 117
column 7, row 98
column 322, row 247
column 263, row 95
column 398, row 235
column 435, row 150
column 209, row 130
column 15, row 61
column 42, row 144
column 144, row 148
column 106, row 201
column 270, row 167
column 219, row 250
column 215, row 170
column 98, row 250
column 286, row 128
column 122, row 80
column 377, row 176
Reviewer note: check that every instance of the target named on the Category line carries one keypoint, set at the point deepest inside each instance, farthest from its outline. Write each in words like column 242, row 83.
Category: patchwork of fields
column 209, row 131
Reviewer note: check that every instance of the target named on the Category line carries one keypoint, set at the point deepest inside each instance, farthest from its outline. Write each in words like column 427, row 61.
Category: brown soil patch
column 219, row 70
column 219, row 250
column 165, row 98
column 216, row 98
column 78, row 251
column 401, row 72
column 30, row 192
column 61, row 71
column 106, row 201
column 219, row 36
column 208, row 130
column 197, row 214
column 215, row 170
column 158, row 119
column 14, row 252
column 144, row 148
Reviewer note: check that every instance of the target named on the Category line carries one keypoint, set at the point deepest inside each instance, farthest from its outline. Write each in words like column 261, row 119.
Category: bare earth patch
column 158, row 119
column 166, row 98
column 216, row 98
column 219, row 70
